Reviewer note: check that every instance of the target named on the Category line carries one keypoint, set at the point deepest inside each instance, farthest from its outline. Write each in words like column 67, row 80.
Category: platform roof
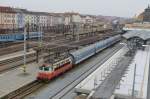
column 143, row 34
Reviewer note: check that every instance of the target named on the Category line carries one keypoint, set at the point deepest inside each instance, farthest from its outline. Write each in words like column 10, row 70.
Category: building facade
column 67, row 19
column 57, row 19
column 88, row 19
column 43, row 17
column 16, row 18
column 72, row 18
column 20, row 16
column 8, row 18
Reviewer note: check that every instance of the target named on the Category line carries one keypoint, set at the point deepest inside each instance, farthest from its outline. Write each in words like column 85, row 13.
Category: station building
column 137, row 38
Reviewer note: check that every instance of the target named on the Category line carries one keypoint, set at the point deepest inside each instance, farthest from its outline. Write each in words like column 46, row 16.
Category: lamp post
column 39, row 44
column 25, row 34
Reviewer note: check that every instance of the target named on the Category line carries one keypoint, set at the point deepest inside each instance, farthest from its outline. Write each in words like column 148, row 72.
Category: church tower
column 146, row 17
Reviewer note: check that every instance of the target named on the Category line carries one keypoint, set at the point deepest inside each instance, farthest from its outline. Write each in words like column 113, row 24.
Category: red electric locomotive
column 50, row 71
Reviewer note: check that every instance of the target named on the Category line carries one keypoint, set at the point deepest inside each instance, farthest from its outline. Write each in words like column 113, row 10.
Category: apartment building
column 16, row 18
column 57, row 19
column 72, row 18
column 89, row 19
column 7, row 18
column 20, row 16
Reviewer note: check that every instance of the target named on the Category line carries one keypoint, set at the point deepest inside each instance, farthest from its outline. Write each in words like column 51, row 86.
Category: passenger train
column 18, row 36
column 50, row 71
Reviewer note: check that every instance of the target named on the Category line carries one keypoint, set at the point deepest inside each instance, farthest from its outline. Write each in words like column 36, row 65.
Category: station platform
column 16, row 54
column 94, row 80
column 124, row 89
column 14, row 79
column 105, row 90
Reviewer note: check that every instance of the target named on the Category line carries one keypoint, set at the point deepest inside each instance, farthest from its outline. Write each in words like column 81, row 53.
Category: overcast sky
column 124, row 8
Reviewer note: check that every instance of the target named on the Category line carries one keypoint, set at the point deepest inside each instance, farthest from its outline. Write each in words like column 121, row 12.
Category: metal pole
column 78, row 36
column 148, row 89
column 25, row 34
column 37, row 56
column 40, row 42
column 39, row 36
column 133, row 86
column 39, row 45
column 73, row 32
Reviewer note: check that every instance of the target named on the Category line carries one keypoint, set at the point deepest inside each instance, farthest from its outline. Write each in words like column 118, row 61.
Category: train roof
column 82, row 50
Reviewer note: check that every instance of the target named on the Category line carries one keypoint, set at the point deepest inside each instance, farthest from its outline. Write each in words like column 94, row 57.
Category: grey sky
column 125, row 8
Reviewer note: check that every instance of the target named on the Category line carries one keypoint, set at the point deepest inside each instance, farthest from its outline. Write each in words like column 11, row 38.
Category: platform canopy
column 143, row 34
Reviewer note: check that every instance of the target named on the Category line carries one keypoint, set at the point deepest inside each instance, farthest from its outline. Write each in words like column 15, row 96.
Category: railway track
column 66, row 89
column 15, row 62
column 24, row 91
column 15, row 59
column 35, row 85
column 4, row 65
column 14, row 47
column 11, row 49
column 7, row 44
column 18, row 61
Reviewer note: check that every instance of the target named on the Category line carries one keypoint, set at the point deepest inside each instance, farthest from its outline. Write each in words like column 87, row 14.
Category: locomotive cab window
column 46, row 68
column 41, row 68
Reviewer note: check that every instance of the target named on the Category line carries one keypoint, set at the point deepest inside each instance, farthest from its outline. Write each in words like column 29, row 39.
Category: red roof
column 7, row 9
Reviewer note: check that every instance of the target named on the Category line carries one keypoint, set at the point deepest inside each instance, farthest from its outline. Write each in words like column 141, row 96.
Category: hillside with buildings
column 16, row 18
column 142, row 21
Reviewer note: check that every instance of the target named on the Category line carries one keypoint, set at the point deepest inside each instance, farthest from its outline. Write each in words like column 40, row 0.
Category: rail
column 24, row 91
column 90, row 70
column 33, row 86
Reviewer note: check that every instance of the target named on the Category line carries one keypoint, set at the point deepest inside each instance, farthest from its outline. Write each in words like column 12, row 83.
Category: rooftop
column 6, row 9
column 143, row 34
